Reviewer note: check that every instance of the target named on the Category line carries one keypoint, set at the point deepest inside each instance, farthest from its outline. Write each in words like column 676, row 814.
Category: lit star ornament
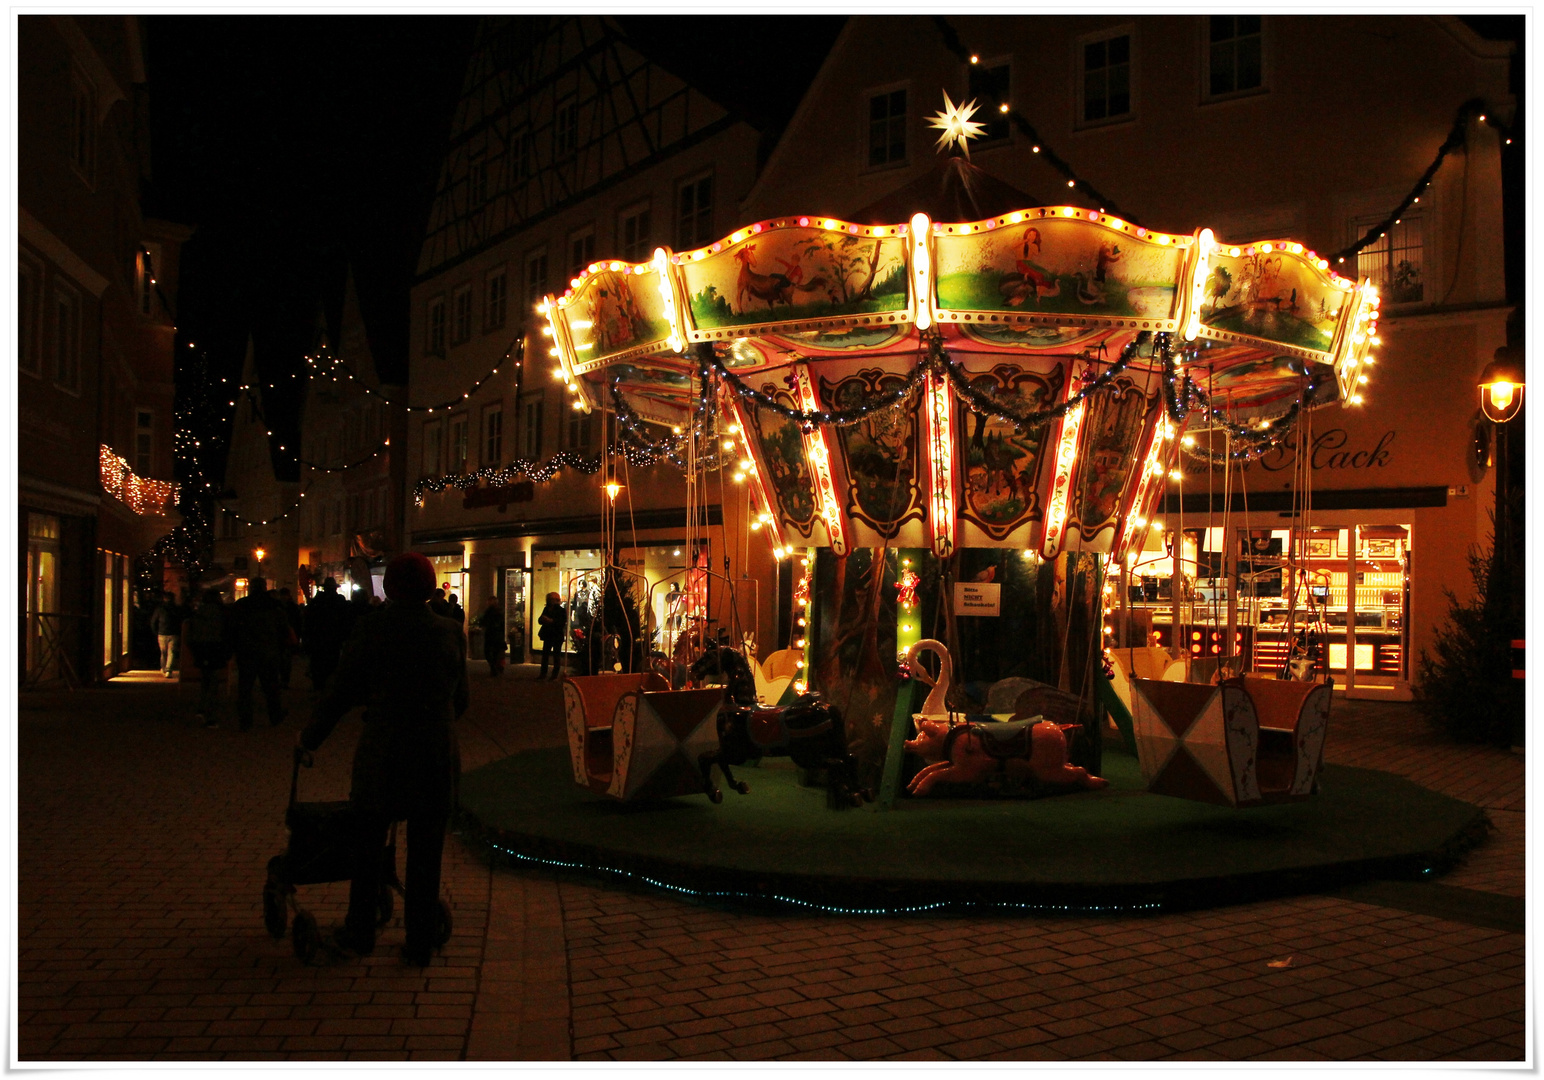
column 957, row 126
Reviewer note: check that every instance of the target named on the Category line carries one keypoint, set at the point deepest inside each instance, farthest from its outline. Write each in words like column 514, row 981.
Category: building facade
column 1258, row 127
column 351, row 453
column 96, row 310
column 257, row 514
column 568, row 145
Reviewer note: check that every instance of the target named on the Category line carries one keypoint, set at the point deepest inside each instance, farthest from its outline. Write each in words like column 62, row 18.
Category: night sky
column 299, row 145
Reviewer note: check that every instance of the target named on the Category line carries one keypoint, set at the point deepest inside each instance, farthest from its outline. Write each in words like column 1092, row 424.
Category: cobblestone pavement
column 142, row 842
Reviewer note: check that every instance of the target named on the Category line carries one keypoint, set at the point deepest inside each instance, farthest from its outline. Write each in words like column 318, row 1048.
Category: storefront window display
column 669, row 599
column 1346, row 586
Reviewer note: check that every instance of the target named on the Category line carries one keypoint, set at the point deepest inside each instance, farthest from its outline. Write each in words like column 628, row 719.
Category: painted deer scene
column 880, row 452
column 797, row 274
column 999, row 463
column 1054, row 266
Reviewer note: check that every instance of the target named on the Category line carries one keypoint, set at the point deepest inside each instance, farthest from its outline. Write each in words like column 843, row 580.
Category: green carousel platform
column 1121, row 850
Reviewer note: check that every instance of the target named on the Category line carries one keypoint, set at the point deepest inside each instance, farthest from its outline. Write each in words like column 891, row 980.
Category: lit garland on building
column 139, row 493
column 516, row 350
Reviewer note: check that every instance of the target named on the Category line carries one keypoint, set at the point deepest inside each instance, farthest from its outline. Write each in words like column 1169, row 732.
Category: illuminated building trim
column 819, row 455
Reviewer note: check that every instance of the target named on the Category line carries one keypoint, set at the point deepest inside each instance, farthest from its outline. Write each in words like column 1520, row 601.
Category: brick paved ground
column 143, row 838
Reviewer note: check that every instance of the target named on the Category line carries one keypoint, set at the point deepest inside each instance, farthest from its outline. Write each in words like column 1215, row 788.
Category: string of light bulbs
column 277, row 518
column 1456, row 138
column 951, row 41
column 516, row 349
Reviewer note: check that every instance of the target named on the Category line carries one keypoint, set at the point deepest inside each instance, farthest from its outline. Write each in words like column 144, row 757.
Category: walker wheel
column 387, row 906
column 305, row 937
column 444, row 927
column 715, row 796
column 742, row 787
column 274, row 914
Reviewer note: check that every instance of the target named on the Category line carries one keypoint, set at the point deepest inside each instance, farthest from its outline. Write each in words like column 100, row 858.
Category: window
column 579, row 427
column 228, row 526
column 496, row 301
column 27, row 281
column 456, row 465
column 1233, row 57
column 633, row 233
column 434, row 341
column 990, row 87
column 493, row 434
column 694, row 217
column 887, row 128
column 144, row 442
column 530, row 420
column 1396, row 261
column 83, row 124
column 434, row 430
column 477, row 183
column 522, row 157
column 1106, row 84
column 535, row 278
column 149, row 259
column 461, row 308
column 66, row 327
column 565, row 129
column 581, row 250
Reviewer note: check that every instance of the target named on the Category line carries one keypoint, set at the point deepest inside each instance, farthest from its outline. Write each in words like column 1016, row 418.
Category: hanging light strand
column 951, row 41
column 516, row 350
column 1456, row 138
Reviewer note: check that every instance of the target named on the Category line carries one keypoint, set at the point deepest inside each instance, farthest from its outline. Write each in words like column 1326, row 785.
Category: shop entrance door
column 516, row 594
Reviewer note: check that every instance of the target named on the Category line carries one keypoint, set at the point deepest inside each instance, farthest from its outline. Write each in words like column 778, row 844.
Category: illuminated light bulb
column 1003, row 107
column 1174, row 474
column 1034, row 149
column 1072, row 183
column 1356, row 399
column 739, row 478
column 1188, row 440
column 1235, row 252
column 728, row 444
column 976, row 60
column 577, row 406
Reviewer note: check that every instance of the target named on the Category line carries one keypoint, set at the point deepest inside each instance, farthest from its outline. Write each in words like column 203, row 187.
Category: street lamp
column 1501, row 385
column 259, row 553
column 1501, row 399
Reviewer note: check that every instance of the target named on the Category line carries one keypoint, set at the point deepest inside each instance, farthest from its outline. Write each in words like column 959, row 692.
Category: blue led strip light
column 827, row 909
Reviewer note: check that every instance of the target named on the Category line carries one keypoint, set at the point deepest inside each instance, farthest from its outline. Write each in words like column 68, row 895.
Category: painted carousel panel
column 616, row 310
column 1270, row 292
column 797, row 274
column 1047, row 262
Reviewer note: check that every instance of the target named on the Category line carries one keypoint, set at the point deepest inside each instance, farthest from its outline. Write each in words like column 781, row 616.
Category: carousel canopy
column 1017, row 380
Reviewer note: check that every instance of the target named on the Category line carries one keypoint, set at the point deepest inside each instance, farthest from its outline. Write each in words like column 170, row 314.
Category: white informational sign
column 977, row 598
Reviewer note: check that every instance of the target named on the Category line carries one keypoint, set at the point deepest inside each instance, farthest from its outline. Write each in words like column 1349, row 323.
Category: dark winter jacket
column 326, row 622
column 208, row 633
column 407, row 667
column 168, row 617
column 553, row 620
column 259, row 628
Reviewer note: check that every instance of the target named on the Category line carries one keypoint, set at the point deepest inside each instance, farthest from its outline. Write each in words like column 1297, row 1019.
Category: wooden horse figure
column 810, row 731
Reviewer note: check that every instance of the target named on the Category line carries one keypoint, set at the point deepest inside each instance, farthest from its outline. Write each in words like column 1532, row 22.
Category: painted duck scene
column 1057, row 266
column 795, row 274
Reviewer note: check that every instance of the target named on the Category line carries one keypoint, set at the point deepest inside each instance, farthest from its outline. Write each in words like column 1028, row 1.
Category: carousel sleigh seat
column 769, row 689
column 632, row 737
column 783, row 664
column 1241, row 742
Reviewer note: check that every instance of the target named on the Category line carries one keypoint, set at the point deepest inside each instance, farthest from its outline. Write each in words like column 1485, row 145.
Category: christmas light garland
column 279, row 517
column 1038, row 145
column 981, row 402
column 1457, row 137
column 516, row 347
column 829, row 417
column 377, row 452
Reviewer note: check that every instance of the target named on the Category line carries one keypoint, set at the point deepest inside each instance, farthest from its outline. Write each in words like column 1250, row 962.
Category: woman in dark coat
column 492, row 623
column 553, row 621
column 407, row 667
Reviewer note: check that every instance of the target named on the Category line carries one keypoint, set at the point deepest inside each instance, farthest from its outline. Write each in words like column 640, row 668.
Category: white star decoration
column 956, row 124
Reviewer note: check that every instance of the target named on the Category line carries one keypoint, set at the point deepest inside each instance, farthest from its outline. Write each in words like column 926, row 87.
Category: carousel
column 958, row 417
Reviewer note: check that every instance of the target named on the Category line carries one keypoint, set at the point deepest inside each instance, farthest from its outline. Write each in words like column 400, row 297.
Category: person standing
column 166, row 621
column 553, row 622
column 326, row 623
column 407, row 667
column 260, row 632
column 292, row 620
column 492, row 623
column 209, row 641
column 457, row 612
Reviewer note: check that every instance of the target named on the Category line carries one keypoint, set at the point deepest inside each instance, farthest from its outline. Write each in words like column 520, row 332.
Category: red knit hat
column 409, row 578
